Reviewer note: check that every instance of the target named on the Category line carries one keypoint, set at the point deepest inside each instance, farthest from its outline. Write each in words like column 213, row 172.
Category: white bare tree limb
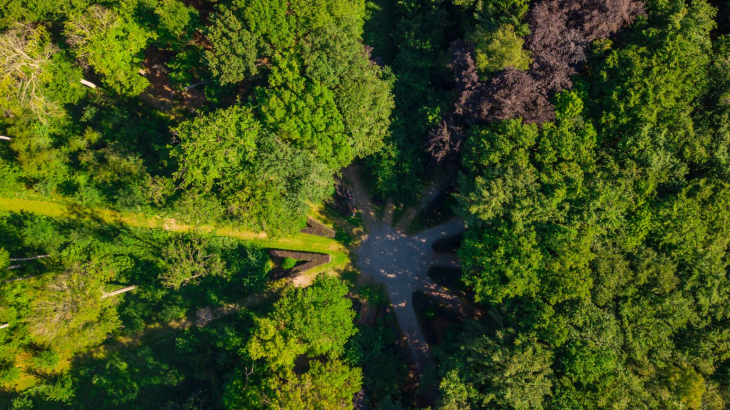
column 23, row 55
column 119, row 291
column 32, row 258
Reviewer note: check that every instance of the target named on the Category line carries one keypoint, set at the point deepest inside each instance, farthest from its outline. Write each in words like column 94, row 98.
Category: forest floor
column 401, row 262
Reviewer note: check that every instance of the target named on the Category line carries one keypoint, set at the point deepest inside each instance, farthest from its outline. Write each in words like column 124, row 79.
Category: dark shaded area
column 448, row 245
column 448, row 278
column 314, row 227
column 311, row 260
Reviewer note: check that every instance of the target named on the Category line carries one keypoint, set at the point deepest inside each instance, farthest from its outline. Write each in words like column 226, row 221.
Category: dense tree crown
column 602, row 234
column 298, row 68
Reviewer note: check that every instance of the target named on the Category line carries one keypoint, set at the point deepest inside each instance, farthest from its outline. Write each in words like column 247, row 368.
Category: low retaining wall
column 313, row 260
column 314, row 227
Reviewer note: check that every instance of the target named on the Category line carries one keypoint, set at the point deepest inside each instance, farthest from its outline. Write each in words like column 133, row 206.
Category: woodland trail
column 298, row 242
column 401, row 263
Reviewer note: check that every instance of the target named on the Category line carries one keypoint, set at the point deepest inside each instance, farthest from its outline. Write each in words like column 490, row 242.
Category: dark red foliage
column 556, row 48
column 600, row 19
column 515, row 93
column 561, row 30
column 445, row 140
column 467, row 80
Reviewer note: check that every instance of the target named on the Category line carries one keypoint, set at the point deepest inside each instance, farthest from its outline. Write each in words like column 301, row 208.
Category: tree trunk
column 190, row 87
column 29, row 259
column 2, row 137
column 117, row 292
column 20, row 278
column 4, row 325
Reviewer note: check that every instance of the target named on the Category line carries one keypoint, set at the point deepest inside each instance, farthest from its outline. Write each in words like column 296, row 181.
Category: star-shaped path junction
column 401, row 263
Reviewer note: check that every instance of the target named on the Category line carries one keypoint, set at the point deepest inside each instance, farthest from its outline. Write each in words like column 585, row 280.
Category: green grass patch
column 297, row 242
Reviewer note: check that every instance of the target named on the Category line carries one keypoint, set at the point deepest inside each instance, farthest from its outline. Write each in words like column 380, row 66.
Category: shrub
column 288, row 263
column 172, row 312
column 46, row 360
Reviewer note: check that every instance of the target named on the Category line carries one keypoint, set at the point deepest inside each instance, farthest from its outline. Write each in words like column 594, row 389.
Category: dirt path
column 401, row 263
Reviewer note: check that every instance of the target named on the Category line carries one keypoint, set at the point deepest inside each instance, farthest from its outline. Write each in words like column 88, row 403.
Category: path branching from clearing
column 339, row 259
column 386, row 254
column 298, row 242
column 401, row 263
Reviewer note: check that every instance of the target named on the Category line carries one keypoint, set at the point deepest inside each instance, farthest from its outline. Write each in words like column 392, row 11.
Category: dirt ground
column 401, row 263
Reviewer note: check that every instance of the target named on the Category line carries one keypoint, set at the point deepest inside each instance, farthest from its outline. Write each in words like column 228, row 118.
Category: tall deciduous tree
column 112, row 44
column 304, row 113
column 523, row 198
column 188, row 260
column 325, row 386
column 235, row 49
column 504, row 372
column 258, row 176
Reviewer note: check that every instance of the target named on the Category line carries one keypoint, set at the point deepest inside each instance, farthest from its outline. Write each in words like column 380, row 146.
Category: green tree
column 112, row 44
column 506, row 372
column 312, row 14
column 523, row 199
column 325, row 386
column 175, row 17
column 315, row 321
column 4, row 259
column 189, row 259
column 496, row 50
column 214, row 148
column 234, row 49
column 362, row 90
column 268, row 20
column 34, row 75
column 304, row 113
column 257, row 175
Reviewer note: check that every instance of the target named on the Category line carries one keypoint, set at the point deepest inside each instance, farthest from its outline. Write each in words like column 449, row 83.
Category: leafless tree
column 516, row 94
column 23, row 56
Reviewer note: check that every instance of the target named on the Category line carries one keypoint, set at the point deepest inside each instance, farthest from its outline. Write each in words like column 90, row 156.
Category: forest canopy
column 171, row 144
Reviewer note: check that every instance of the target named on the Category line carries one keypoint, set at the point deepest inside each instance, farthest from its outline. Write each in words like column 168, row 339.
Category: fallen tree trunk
column 191, row 86
column 88, row 83
column 3, row 326
column 2, row 137
column 117, row 292
column 29, row 259
column 20, row 278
